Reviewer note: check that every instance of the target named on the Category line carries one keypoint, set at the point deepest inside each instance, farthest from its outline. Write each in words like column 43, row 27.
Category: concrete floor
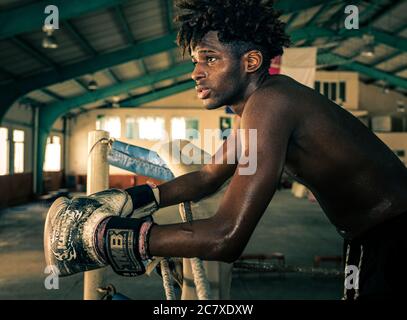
column 295, row 227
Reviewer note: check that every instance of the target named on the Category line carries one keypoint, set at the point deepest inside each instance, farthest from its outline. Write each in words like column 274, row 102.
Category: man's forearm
column 188, row 187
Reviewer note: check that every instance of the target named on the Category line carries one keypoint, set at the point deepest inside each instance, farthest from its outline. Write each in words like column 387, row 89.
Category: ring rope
column 167, row 280
column 198, row 271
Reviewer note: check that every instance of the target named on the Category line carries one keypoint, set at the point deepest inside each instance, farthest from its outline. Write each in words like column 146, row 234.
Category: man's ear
column 253, row 60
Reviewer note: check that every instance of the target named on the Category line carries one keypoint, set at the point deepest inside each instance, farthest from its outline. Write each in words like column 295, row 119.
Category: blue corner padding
column 139, row 160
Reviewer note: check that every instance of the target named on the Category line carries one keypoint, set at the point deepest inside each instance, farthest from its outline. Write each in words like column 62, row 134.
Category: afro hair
column 243, row 24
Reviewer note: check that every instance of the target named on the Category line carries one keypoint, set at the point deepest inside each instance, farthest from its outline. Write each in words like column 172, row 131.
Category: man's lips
column 203, row 93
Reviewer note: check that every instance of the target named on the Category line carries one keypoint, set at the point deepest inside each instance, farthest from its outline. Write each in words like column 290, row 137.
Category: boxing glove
column 86, row 233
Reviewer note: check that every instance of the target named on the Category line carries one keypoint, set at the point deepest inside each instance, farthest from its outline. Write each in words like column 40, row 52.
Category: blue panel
column 139, row 160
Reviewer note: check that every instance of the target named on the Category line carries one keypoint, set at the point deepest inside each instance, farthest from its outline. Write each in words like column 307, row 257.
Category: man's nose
column 198, row 74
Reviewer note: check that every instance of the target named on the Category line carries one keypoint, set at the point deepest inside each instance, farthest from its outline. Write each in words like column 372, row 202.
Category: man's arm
column 224, row 236
column 111, row 235
column 199, row 184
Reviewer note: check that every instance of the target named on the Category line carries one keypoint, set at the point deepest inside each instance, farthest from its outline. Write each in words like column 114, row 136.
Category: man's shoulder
column 272, row 104
column 281, row 84
column 275, row 94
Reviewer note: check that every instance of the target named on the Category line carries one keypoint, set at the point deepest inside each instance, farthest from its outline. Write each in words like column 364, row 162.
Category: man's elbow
column 229, row 257
column 227, row 251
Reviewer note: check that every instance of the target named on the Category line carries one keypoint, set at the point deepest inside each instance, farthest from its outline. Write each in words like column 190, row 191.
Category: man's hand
column 88, row 233
column 145, row 200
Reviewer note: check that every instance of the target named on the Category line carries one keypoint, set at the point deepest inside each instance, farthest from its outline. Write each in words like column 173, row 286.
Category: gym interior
column 75, row 67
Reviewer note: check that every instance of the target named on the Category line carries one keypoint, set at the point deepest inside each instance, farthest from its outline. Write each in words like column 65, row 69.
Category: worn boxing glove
column 145, row 200
column 87, row 233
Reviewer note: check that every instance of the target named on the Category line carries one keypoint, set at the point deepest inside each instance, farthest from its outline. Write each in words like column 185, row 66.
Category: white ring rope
column 167, row 280
column 198, row 271
column 200, row 279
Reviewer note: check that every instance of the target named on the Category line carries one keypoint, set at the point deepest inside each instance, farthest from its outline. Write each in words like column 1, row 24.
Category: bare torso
column 358, row 181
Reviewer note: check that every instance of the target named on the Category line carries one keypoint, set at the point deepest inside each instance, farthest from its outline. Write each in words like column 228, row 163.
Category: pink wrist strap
column 143, row 240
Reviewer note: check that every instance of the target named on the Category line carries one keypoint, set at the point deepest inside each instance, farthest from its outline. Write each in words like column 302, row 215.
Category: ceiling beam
column 168, row 16
column 31, row 17
column 387, row 58
column 316, row 16
column 287, row 6
column 114, row 76
column 81, row 84
column 400, row 29
column 165, row 43
column 158, row 94
column 367, row 70
column 10, row 76
column 326, row 24
column 399, row 68
column 134, row 52
column 291, row 20
column 52, row 94
column 31, row 101
column 312, row 33
column 144, row 49
column 382, row 11
column 124, row 25
column 85, row 45
column 142, row 65
column 55, row 110
column 30, row 50
column 11, row 92
column 80, row 39
column 148, row 80
column 95, row 64
column 338, row 15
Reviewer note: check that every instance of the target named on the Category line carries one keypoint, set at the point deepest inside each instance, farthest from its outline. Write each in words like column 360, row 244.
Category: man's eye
column 211, row 59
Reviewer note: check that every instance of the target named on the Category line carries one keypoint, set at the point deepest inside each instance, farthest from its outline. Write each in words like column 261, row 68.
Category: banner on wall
column 297, row 63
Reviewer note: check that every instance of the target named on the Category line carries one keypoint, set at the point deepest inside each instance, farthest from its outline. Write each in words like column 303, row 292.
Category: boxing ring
column 202, row 280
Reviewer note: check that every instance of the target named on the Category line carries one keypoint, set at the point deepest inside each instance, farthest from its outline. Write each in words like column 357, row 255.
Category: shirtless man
column 358, row 181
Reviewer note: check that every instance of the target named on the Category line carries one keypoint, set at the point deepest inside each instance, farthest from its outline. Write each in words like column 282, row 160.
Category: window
column 131, row 128
column 326, row 89
column 333, row 91
column 342, row 90
column 381, row 124
column 336, row 91
column 52, row 161
column 184, row 128
column 397, row 124
column 109, row 124
column 18, row 140
column 4, row 151
column 145, row 128
column 317, row 86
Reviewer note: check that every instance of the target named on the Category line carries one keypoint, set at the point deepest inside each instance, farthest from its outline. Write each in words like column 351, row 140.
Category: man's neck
column 252, row 86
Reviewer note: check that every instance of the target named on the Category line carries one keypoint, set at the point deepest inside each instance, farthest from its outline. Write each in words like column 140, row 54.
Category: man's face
column 218, row 73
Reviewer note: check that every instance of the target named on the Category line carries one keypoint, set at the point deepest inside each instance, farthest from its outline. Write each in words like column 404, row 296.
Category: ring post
column 97, row 180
